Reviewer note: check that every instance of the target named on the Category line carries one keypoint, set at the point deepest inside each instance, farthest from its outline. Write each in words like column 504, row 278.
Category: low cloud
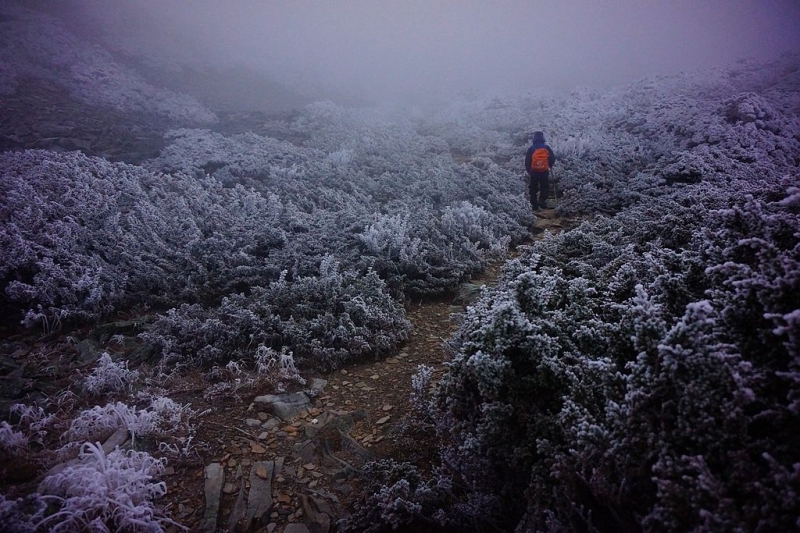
column 409, row 49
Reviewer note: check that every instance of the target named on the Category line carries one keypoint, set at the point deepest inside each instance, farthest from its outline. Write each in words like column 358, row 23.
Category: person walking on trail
column 538, row 161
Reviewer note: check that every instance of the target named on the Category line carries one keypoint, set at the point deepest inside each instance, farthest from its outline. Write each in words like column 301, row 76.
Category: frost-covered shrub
column 749, row 107
column 682, row 129
column 83, row 236
column 636, row 372
column 11, row 441
column 242, row 156
column 397, row 496
column 33, row 422
column 101, row 421
column 276, row 366
column 109, row 376
column 22, row 515
column 99, row 491
column 641, row 371
column 324, row 320
column 420, row 381
column 106, row 492
column 425, row 255
column 401, row 252
column 391, row 171
column 196, row 234
column 163, row 418
column 475, row 224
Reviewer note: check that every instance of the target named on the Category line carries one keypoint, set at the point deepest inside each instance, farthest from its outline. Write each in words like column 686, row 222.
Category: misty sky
column 406, row 48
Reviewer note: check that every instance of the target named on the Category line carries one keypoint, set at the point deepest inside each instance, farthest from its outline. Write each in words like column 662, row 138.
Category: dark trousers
column 539, row 184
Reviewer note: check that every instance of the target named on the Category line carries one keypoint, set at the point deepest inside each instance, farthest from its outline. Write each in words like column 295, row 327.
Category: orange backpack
column 540, row 160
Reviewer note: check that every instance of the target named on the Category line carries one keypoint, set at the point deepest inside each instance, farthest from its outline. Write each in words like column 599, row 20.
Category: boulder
column 285, row 406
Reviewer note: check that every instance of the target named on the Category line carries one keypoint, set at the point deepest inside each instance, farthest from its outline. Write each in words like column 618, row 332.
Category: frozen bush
column 106, row 492
column 420, row 381
column 22, row 515
column 33, row 421
column 622, row 368
column 477, row 226
column 109, row 377
column 324, row 320
column 98, row 422
column 163, row 418
column 172, row 236
column 397, row 497
column 11, row 441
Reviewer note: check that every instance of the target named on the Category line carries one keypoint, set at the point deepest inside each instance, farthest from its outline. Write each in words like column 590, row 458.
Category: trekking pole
column 555, row 186
column 526, row 182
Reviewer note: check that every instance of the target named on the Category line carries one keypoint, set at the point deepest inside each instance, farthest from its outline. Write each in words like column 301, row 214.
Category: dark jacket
column 538, row 143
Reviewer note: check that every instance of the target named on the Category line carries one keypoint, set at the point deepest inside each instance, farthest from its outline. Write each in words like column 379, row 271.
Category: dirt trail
column 302, row 469
column 358, row 415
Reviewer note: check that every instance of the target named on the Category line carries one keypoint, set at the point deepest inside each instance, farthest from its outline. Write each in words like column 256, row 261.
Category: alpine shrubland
column 639, row 372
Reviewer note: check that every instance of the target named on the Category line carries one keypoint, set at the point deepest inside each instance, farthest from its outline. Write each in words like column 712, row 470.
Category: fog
column 412, row 49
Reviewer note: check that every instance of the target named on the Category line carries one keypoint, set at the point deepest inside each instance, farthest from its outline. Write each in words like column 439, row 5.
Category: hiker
column 538, row 161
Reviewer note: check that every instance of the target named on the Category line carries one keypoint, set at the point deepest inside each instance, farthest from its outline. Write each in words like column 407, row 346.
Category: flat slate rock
column 215, row 477
column 240, row 507
column 285, row 406
column 259, row 502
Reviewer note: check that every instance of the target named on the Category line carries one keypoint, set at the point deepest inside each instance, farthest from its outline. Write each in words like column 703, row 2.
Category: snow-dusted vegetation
column 627, row 373
column 639, row 372
column 35, row 44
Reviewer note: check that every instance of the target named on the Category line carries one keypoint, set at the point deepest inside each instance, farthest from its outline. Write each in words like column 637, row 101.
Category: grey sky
column 405, row 48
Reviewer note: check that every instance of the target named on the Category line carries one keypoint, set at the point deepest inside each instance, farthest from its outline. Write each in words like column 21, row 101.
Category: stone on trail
column 261, row 471
column 257, row 448
column 296, row 528
column 240, row 507
column 317, row 384
column 259, row 502
column 285, row 406
column 116, row 440
column 318, row 514
column 215, row 477
column 89, row 351
column 271, row 424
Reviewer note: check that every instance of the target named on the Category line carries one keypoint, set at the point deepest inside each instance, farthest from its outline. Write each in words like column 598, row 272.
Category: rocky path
column 289, row 463
column 280, row 463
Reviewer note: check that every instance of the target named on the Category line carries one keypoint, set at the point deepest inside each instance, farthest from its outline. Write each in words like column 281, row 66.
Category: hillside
column 167, row 262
